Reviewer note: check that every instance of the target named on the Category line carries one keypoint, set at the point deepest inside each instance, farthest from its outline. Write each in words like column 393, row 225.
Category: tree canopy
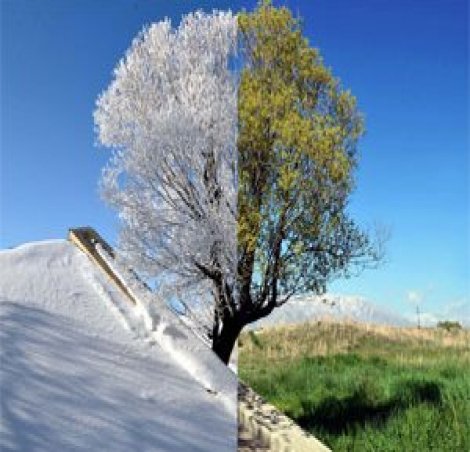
column 170, row 116
column 232, row 185
column 297, row 152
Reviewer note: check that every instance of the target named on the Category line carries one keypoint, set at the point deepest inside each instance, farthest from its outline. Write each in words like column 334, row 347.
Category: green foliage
column 298, row 130
column 449, row 325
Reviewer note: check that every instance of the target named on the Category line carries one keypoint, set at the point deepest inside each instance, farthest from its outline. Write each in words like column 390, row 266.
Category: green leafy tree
column 297, row 152
column 449, row 325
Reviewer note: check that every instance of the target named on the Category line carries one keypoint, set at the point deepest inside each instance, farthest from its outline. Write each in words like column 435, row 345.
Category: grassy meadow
column 366, row 388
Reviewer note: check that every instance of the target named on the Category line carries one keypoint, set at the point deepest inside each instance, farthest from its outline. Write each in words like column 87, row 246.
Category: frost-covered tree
column 232, row 190
column 170, row 114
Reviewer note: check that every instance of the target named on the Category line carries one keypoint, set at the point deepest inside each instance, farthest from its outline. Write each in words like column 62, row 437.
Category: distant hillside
column 331, row 306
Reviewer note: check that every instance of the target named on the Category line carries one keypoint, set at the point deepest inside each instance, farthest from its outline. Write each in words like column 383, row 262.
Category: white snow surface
column 157, row 323
column 82, row 369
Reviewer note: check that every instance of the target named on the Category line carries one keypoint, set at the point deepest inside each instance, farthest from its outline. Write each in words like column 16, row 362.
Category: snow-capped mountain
column 304, row 308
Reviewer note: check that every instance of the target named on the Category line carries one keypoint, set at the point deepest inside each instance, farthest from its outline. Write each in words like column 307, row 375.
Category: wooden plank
column 86, row 239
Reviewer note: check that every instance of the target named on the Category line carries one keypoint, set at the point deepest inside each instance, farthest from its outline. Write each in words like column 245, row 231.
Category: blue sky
column 406, row 61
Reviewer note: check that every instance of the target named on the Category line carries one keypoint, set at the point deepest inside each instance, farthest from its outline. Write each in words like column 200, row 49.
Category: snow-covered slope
column 153, row 321
column 79, row 372
column 333, row 307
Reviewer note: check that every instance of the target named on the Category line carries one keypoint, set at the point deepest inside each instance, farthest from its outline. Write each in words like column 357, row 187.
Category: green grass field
column 364, row 388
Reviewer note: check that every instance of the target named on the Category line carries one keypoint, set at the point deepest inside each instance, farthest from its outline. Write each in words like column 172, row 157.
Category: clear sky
column 406, row 61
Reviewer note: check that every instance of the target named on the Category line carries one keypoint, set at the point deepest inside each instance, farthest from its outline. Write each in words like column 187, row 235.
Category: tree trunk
column 223, row 343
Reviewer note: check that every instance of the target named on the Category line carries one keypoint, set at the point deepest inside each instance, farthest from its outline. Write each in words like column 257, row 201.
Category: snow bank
column 160, row 324
column 80, row 369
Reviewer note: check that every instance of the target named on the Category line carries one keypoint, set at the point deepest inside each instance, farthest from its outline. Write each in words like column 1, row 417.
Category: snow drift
column 80, row 368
